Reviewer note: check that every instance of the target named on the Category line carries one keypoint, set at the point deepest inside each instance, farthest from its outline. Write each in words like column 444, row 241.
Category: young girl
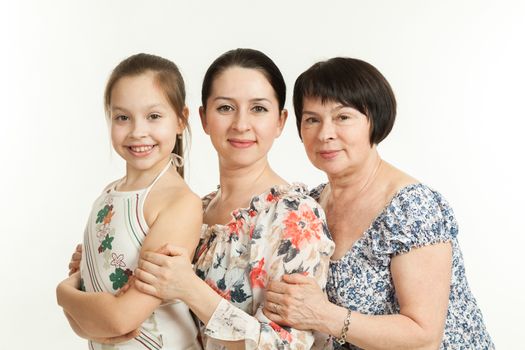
column 149, row 206
column 257, row 227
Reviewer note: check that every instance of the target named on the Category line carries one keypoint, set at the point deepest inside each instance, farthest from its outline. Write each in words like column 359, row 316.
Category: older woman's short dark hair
column 353, row 83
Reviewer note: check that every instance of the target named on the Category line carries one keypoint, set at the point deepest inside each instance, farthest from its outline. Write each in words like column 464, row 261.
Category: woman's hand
column 74, row 264
column 297, row 302
column 166, row 273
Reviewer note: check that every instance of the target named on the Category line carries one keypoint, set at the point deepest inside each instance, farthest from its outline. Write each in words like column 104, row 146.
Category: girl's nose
column 140, row 129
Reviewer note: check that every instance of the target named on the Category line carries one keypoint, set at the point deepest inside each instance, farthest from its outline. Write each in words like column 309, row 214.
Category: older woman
column 397, row 278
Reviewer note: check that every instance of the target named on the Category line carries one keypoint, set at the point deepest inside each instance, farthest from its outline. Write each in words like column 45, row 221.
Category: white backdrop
column 457, row 68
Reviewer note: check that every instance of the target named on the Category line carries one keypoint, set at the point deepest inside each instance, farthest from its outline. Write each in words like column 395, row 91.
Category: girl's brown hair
column 168, row 77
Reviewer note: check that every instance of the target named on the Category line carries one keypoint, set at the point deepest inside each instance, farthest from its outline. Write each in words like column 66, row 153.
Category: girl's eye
column 121, row 118
column 154, row 116
column 259, row 109
column 225, row 108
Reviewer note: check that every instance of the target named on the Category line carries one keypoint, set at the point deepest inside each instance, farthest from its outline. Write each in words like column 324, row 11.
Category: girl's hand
column 74, row 264
column 118, row 339
column 165, row 274
column 72, row 281
column 297, row 302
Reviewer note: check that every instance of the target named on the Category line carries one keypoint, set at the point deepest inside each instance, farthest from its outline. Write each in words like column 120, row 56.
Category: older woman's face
column 336, row 137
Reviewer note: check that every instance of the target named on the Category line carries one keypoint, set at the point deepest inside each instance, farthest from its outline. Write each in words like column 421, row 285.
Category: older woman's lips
column 237, row 143
column 329, row 154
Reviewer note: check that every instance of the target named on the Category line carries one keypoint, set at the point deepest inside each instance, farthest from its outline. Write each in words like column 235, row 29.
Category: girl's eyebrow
column 152, row 106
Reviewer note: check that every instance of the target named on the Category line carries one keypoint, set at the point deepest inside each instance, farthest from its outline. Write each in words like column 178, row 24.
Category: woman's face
column 336, row 137
column 242, row 116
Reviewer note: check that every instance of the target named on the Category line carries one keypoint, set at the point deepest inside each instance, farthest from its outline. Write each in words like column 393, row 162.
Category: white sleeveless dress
column 112, row 242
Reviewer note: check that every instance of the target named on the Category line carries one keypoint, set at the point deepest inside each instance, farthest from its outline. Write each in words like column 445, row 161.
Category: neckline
column 366, row 233
column 113, row 188
column 280, row 189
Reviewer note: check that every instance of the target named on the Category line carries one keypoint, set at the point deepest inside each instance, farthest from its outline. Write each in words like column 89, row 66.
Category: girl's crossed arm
column 102, row 314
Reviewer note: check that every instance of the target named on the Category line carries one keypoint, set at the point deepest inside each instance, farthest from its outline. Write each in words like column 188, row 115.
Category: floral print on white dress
column 283, row 231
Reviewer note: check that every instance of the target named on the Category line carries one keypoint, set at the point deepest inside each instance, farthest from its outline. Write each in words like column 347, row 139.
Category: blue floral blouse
column 361, row 280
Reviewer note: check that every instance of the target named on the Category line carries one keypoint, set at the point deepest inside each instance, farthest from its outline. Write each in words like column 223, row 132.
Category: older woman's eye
column 311, row 120
column 259, row 109
column 343, row 118
column 225, row 108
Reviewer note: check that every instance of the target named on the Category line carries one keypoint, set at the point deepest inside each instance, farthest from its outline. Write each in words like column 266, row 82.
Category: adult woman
column 256, row 226
column 397, row 278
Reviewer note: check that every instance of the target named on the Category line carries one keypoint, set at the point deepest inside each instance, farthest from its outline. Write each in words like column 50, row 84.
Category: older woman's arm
column 422, row 282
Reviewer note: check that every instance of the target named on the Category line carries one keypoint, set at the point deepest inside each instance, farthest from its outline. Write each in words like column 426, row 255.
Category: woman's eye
column 344, row 117
column 259, row 109
column 311, row 120
column 154, row 116
column 225, row 108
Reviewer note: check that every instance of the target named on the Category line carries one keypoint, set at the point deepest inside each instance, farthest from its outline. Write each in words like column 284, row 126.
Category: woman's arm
column 106, row 315
column 422, row 282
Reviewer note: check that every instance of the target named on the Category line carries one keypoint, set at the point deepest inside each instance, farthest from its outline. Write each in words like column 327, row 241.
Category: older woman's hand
column 166, row 273
column 297, row 302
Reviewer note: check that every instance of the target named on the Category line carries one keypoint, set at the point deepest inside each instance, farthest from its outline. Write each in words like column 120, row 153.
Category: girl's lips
column 141, row 150
column 329, row 154
column 241, row 143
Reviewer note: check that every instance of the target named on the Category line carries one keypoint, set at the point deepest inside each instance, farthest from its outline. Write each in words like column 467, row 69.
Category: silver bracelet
column 342, row 339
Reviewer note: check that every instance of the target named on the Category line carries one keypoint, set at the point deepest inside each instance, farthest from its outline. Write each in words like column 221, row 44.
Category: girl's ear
column 202, row 114
column 282, row 121
column 185, row 116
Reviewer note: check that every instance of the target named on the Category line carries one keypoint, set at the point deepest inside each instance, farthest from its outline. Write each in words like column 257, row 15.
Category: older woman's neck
column 357, row 179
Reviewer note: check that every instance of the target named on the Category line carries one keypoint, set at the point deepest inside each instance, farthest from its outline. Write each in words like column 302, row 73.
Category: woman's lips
column 237, row 143
column 331, row 154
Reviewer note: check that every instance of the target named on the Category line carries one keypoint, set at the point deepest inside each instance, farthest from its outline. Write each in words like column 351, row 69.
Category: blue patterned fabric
column 361, row 280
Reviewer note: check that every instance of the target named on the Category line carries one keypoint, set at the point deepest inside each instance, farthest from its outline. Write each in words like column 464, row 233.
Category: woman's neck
column 352, row 182
column 245, row 182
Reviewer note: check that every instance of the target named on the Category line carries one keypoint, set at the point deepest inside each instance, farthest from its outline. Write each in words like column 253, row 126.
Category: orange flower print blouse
column 283, row 231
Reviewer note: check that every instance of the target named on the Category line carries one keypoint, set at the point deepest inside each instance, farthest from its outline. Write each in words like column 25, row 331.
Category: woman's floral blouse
column 283, row 231
column 361, row 280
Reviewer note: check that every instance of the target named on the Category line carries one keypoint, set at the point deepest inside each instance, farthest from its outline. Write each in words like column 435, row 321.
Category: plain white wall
column 456, row 67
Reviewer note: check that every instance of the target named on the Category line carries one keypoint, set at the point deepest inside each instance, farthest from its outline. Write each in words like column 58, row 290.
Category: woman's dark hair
column 353, row 83
column 245, row 58
column 169, row 79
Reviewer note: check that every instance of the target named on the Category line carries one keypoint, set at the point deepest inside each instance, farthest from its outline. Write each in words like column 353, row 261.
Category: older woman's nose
column 327, row 131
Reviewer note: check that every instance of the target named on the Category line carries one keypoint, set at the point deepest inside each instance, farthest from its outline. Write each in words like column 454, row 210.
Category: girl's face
column 242, row 116
column 144, row 126
column 336, row 137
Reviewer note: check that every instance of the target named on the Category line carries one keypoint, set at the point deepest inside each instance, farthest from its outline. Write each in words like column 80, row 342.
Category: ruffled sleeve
column 417, row 216
column 289, row 236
